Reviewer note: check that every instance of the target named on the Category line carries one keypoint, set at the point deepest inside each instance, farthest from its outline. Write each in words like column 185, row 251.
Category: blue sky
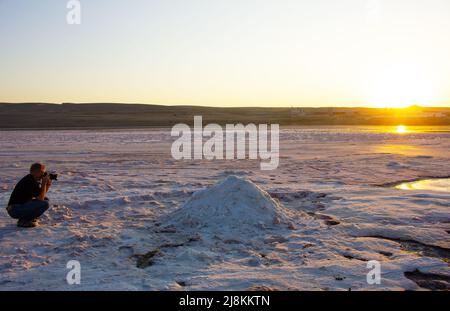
column 228, row 52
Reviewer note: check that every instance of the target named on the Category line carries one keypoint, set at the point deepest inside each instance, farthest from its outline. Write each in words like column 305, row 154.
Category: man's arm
column 46, row 183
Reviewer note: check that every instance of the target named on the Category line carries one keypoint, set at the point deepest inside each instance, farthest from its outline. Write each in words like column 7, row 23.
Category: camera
column 52, row 176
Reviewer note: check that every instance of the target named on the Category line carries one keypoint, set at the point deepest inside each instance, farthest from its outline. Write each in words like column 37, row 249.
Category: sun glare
column 401, row 86
column 401, row 129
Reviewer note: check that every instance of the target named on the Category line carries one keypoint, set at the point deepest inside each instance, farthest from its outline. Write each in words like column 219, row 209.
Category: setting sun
column 400, row 86
column 401, row 129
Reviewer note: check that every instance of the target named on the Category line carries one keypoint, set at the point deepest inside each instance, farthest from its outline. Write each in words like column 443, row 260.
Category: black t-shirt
column 25, row 190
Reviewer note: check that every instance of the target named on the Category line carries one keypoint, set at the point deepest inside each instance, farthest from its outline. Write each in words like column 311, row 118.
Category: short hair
column 36, row 167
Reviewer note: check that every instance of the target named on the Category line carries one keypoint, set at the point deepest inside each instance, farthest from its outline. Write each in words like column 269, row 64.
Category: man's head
column 37, row 170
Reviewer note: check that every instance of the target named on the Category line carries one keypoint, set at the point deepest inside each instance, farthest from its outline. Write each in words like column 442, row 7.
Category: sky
column 376, row 53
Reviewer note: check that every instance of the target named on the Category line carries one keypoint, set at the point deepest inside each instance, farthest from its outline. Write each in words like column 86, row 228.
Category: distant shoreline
column 37, row 116
column 168, row 128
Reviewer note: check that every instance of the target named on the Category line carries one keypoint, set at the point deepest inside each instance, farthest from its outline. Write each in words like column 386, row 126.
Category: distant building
column 433, row 115
column 298, row 112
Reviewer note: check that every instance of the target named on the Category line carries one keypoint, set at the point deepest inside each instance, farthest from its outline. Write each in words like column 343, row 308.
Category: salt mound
column 232, row 203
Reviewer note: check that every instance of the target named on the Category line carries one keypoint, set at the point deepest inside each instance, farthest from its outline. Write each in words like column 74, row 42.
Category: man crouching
column 28, row 201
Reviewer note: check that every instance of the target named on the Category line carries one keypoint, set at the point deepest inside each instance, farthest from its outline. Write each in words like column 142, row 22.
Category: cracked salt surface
column 310, row 225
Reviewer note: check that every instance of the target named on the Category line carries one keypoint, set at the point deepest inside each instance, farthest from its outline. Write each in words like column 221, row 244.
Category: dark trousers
column 28, row 211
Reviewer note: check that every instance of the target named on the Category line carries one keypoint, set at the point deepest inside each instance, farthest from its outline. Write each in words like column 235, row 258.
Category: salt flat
column 121, row 196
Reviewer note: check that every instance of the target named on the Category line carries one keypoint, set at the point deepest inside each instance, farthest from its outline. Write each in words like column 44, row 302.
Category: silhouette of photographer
column 28, row 201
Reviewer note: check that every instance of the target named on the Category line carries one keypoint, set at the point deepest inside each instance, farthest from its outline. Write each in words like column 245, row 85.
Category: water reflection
column 427, row 184
column 408, row 129
column 407, row 150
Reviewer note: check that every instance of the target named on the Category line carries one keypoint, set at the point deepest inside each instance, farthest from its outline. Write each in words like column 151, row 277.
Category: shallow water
column 442, row 184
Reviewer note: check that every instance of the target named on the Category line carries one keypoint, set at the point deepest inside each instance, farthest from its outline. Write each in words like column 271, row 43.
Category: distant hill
column 109, row 115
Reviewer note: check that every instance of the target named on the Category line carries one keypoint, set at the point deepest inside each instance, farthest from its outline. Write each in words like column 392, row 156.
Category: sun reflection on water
column 427, row 184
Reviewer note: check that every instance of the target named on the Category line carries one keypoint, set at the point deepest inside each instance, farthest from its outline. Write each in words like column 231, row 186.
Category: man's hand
column 44, row 187
column 45, row 181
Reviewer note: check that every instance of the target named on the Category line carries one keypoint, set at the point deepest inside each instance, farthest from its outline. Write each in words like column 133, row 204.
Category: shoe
column 22, row 223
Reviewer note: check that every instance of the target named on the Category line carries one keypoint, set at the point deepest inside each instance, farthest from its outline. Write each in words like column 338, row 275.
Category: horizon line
column 223, row 107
